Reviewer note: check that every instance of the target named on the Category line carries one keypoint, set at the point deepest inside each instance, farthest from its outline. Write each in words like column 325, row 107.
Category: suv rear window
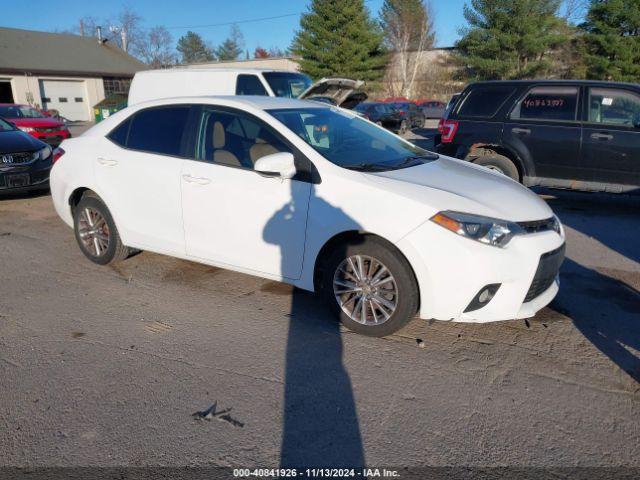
column 484, row 102
column 548, row 103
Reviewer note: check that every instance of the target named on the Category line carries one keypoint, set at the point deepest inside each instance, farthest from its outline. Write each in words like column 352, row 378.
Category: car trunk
column 342, row 92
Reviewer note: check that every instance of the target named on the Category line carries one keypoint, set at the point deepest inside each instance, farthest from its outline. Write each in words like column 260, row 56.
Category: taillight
column 57, row 153
column 448, row 130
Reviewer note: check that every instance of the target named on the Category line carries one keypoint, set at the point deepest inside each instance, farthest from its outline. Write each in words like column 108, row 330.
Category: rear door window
column 249, row 85
column 484, row 102
column 159, row 130
column 610, row 106
column 555, row 103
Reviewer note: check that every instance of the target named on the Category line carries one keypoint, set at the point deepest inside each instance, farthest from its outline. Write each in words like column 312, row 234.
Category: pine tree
column 193, row 49
column 339, row 38
column 508, row 39
column 612, row 40
column 231, row 48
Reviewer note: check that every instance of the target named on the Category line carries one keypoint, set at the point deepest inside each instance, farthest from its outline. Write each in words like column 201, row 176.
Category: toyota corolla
column 314, row 196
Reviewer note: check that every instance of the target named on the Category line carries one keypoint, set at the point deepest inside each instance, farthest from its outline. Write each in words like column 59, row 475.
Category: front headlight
column 556, row 226
column 27, row 129
column 44, row 153
column 490, row 231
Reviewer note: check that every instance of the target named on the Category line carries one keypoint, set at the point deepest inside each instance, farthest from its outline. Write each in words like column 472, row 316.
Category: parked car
column 25, row 162
column 48, row 129
column 155, row 84
column 583, row 135
column 433, row 108
column 284, row 189
column 410, row 113
column 382, row 114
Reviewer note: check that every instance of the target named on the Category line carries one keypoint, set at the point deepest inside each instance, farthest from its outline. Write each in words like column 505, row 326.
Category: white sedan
column 314, row 196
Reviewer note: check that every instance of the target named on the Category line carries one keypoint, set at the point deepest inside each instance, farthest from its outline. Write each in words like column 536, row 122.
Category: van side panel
column 157, row 84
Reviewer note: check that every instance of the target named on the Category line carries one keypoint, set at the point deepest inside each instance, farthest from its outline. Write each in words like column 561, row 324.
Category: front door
column 611, row 139
column 543, row 128
column 232, row 214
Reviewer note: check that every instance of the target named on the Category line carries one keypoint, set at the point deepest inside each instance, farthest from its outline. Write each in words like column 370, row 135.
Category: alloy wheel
column 93, row 231
column 365, row 290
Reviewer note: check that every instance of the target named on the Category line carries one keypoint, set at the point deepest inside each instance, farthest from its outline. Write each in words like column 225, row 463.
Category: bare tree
column 156, row 48
column 573, row 11
column 408, row 29
column 127, row 31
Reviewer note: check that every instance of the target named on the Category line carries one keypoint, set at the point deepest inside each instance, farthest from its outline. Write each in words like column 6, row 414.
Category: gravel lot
column 106, row 365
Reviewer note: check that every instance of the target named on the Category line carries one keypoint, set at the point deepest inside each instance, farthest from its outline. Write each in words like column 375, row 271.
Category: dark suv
column 581, row 135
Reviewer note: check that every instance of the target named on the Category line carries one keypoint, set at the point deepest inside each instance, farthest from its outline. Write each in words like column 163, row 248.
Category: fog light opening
column 483, row 297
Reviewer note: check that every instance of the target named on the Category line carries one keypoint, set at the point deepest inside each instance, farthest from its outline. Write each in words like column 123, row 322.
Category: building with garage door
column 65, row 72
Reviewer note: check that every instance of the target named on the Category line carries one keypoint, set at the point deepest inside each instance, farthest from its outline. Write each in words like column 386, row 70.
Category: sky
column 204, row 17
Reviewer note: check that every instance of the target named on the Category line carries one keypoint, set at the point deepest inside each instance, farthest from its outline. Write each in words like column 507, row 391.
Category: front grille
column 546, row 273
column 536, row 226
column 17, row 158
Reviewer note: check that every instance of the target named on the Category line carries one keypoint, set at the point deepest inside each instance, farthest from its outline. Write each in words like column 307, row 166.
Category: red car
column 36, row 124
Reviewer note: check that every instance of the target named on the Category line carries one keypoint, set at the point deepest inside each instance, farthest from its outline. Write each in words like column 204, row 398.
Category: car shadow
column 605, row 310
column 24, row 194
column 611, row 219
column 320, row 421
column 423, row 137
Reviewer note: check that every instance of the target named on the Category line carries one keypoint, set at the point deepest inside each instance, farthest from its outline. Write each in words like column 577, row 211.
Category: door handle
column 197, row 180
column 601, row 136
column 521, row 131
column 107, row 162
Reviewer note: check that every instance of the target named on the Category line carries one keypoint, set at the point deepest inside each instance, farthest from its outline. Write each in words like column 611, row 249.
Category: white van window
column 249, row 85
column 287, row 84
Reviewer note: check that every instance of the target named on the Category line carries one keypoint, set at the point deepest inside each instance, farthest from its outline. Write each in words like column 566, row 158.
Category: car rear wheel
column 96, row 232
column 370, row 287
column 500, row 164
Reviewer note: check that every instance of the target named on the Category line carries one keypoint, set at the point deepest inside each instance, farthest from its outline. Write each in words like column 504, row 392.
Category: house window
column 116, row 85
column 62, row 99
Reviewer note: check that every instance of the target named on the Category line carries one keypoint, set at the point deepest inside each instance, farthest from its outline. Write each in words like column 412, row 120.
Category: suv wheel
column 499, row 163
column 370, row 287
column 96, row 232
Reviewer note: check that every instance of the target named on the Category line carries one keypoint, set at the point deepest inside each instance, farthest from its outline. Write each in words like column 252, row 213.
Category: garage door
column 68, row 97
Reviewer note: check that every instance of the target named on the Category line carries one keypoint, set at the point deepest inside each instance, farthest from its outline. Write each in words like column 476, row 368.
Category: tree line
column 502, row 39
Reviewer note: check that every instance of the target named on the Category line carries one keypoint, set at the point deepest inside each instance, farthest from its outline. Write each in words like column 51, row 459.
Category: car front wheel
column 370, row 287
column 96, row 232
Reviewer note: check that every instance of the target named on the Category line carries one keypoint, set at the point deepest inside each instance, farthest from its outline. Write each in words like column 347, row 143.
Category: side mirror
column 279, row 164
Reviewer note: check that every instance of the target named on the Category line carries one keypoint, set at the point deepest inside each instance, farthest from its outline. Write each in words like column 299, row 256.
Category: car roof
column 555, row 82
column 259, row 102
column 168, row 71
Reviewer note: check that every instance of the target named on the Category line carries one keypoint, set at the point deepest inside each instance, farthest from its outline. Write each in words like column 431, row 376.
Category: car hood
column 16, row 141
column 341, row 91
column 450, row 184
column 35, row 122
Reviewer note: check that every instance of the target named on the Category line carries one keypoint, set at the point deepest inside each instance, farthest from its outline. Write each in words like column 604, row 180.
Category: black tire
column 407, row 288
column 499, row 163
column 115, row 251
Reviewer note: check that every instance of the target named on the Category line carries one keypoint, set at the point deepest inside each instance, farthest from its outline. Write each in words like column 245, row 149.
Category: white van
column 190, row 82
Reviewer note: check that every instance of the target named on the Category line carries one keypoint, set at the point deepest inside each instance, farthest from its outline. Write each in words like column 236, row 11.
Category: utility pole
column 81, row 28
column 123, row 35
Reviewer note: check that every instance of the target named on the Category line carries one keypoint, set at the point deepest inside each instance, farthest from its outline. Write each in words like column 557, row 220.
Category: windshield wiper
column 367, row 167
column 412, row 158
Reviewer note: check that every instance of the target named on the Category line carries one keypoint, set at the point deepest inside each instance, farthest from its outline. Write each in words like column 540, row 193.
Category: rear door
column 543, row 128
column 138, row 177
column 611, row 139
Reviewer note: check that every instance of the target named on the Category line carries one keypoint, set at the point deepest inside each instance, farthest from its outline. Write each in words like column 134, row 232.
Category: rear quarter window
column 555, row 103
column 484, row 102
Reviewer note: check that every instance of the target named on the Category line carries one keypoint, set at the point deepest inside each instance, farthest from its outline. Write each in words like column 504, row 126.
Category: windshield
column 287, row 84
column 349, row 141
column 19, row 111
column 4, row 126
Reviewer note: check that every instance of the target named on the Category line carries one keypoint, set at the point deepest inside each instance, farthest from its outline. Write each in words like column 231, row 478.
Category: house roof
column 28, row 51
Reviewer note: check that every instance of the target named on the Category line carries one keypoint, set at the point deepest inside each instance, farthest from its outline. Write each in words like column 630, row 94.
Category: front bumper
column 24, row 178
column 451, row 270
